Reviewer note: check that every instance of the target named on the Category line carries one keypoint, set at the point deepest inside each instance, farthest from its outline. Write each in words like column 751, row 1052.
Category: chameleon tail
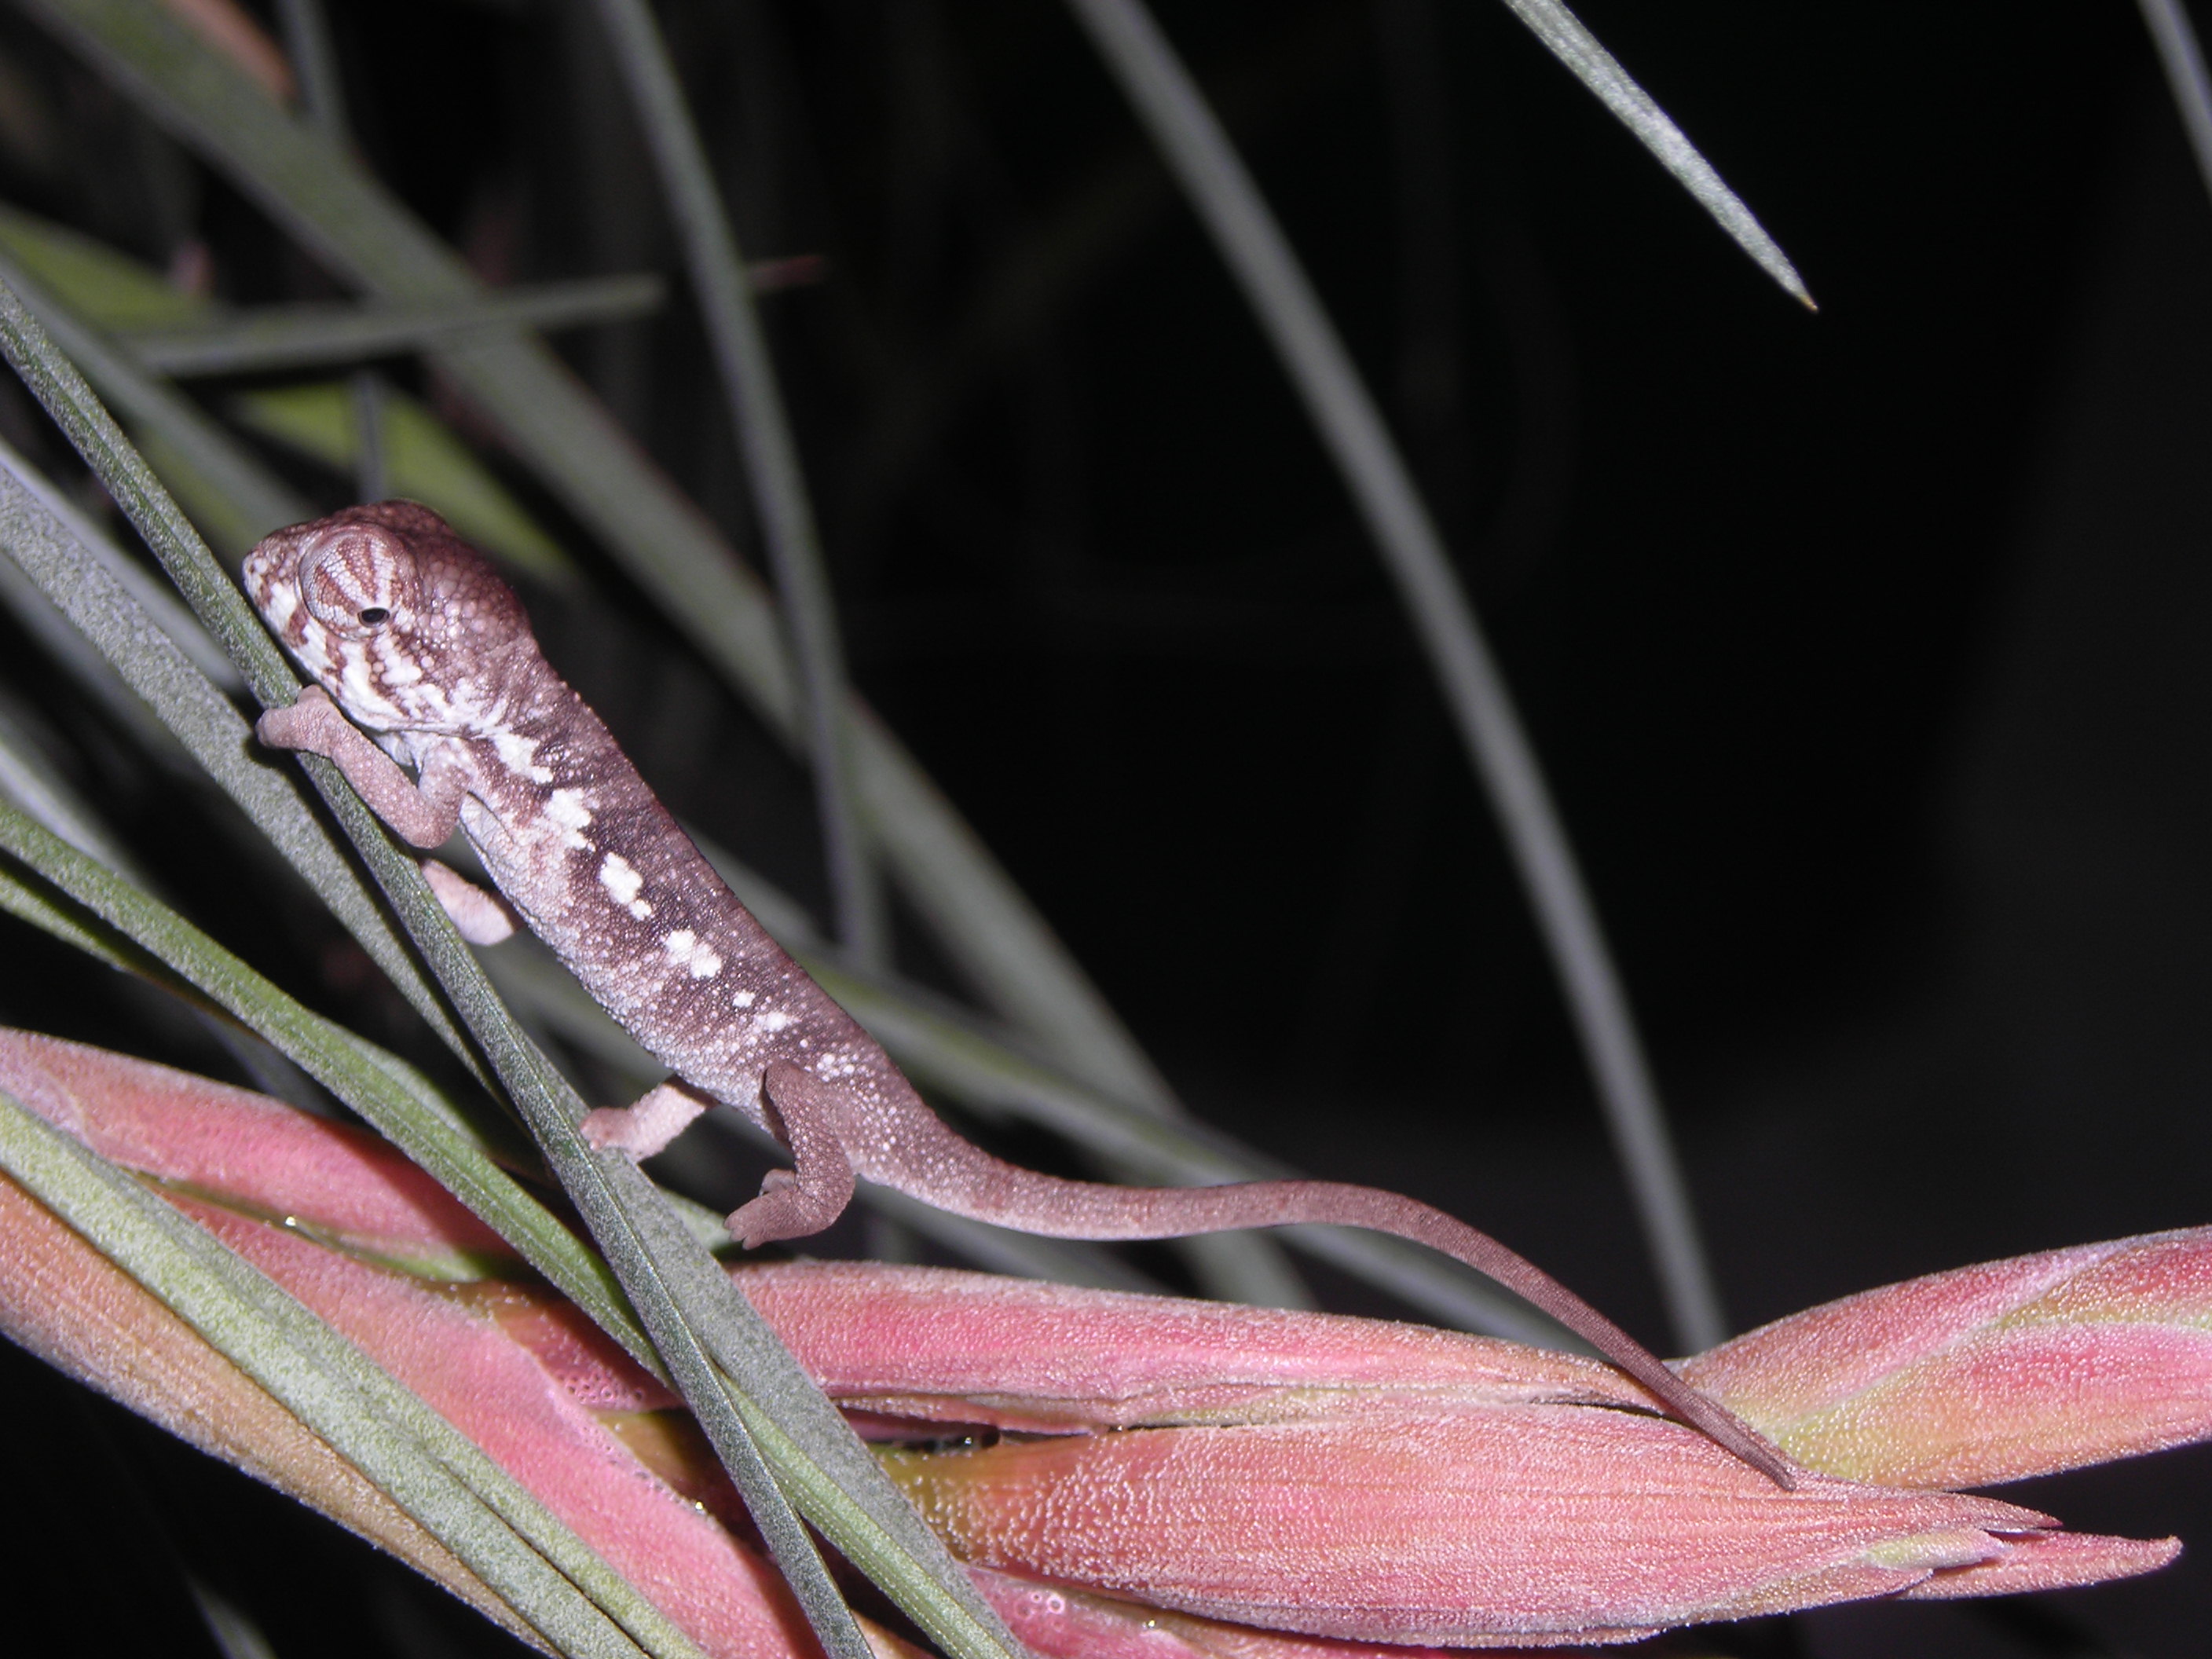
column 985, row 1189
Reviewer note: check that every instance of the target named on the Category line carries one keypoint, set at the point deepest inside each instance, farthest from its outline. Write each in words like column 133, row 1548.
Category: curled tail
column 967, row 1180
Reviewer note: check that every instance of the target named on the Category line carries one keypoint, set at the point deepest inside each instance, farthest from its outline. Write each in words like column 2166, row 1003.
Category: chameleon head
column 405, row 625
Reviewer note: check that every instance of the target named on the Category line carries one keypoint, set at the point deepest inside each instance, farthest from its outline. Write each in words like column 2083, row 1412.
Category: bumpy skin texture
column 422, row 644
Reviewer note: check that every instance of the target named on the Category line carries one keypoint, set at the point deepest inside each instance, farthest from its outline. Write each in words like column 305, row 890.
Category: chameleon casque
column 410, row 637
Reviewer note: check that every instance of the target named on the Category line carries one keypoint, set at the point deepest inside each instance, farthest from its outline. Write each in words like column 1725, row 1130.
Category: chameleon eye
column 353, row 579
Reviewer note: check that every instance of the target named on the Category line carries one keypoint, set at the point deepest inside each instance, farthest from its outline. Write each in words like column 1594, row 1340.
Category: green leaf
column 1250, row 242
column 109, row 290
column 423, row 461
column 85, row 289
column 310, row 336
column 243, row 501
column 770, row 456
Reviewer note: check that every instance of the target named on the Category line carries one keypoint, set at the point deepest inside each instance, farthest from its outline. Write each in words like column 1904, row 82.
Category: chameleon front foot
column 316, row 725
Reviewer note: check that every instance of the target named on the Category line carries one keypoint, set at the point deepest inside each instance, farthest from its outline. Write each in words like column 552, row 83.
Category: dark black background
column 1865, row 649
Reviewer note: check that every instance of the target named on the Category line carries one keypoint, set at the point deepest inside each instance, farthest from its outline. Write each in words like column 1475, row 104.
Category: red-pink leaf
column 1328, row 1484
column 493, row 1391
column 250, row 1151
column 1067, row 1624
column 937, row 1344
column 1988, row 1373
column 1511, row 1522
column 2049, row 1560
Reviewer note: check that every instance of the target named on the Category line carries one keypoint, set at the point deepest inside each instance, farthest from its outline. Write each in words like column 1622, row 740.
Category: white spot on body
column 520, row 754
column 621, row 879
column 742, row 998
column 684, row 946
column 567, row 811
column 772, row 1022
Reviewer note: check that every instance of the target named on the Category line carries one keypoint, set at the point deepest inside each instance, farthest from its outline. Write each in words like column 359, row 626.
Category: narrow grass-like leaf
column 109, row 290
column 698, row 1320
column 420, row 458
column 1589, row 62
column 1250, row 242
column 324, row 336
column 2183, row 61
column 80, row 584
column 922, row 1576
column 151, row 595
column 258, row 503
column 57, row 888
column 72, row 656
column 580, row 454
column 315, row 62
column 29, row 780
column 48, row 369
column 771, row 460
column 540, row 1569
column 233, row 1630
column 111, row 293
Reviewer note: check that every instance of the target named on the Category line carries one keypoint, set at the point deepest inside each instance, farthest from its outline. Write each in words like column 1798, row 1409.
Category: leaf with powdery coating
column 253, row 1153
column 1059, row 1621
column 66, row 1302
column 1493, row 1525
column 469, row 1369
column 1989, row 1373
column 2046, row 1561
column 938, row 1346
column 1252, row 1484
column 63, row 1298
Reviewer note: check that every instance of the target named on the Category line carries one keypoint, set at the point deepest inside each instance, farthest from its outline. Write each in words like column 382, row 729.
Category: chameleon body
column 409, row 635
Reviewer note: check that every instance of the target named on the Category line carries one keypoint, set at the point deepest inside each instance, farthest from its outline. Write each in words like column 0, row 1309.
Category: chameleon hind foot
column 480, row 918
column 646, row 1127
column 804, row 1199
